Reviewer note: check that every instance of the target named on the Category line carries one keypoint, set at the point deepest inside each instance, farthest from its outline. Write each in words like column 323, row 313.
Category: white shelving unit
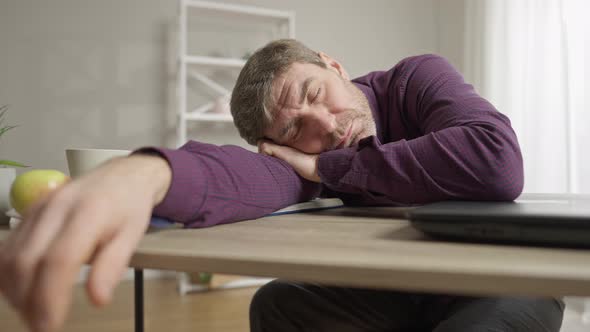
column 188, row 66
column 186, row 62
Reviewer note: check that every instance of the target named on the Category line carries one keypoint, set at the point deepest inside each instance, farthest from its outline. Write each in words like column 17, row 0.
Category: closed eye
column 317, row 94
column 297, row 131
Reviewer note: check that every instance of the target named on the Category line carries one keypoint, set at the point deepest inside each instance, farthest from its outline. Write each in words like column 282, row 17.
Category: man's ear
column 334, row 65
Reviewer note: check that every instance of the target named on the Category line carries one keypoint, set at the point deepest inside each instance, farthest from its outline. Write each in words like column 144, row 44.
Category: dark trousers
column 283, row 306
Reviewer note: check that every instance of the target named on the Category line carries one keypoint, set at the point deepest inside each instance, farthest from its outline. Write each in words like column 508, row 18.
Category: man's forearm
column 212, row 184
column 454, row 163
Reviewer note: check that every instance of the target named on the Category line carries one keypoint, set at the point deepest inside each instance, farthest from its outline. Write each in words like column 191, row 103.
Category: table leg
column 138, row 278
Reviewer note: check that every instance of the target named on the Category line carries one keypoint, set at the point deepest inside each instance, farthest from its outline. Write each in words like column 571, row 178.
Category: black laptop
column 542, row 219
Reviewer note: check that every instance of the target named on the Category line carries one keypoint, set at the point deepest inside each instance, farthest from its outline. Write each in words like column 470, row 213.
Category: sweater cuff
column 182, row 202
column 334, row 165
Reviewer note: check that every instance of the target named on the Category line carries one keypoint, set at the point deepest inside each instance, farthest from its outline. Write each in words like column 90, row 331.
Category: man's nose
column 323, row 120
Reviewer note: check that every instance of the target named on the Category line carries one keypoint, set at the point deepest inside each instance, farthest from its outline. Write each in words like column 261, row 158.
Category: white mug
column 81, row 161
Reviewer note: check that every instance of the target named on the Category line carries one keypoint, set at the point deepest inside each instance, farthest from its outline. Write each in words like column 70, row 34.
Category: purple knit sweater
column 437, row 139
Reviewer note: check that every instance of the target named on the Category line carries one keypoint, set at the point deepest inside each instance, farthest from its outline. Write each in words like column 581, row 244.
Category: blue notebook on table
column 313, row 205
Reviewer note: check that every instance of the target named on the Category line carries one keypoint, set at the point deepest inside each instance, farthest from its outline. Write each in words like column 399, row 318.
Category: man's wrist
column 157, row 172
column 316, row 173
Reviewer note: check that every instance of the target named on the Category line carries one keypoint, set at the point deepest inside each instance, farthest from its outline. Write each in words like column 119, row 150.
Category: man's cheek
column 309, row 147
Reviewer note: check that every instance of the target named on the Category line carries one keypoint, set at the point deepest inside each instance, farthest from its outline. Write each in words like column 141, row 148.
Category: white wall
column 93, row 73
column 450, row 31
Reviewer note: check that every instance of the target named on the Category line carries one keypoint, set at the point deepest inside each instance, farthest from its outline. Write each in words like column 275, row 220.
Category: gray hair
column 251, row 97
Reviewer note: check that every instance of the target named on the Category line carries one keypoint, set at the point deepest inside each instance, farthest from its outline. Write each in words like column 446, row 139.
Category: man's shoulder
column 403, row 68
column 415, row 62
column 418, row 59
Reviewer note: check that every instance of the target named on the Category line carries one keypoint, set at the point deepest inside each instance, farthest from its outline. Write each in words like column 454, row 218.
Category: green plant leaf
column 12, row 163
column 5, row 129
column 3, row 110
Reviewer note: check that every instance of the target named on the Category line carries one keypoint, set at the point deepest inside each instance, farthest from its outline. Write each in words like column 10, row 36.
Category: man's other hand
column 97, row 219
column 306, row 165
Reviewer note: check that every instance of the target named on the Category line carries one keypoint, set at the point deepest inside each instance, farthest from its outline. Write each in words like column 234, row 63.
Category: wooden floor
column 168, row 311
column 165, row 310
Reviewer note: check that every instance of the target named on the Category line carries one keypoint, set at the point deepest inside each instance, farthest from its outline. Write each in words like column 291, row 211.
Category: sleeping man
column 413, row 134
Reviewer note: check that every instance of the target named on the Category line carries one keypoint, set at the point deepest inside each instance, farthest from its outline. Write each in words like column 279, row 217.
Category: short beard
column 364, row 110
column 361, row 113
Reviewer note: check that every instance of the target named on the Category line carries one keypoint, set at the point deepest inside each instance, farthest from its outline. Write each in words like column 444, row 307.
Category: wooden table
column 363, row 247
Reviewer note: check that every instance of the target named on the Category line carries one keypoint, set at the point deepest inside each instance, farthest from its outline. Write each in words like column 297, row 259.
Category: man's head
column 300, row 98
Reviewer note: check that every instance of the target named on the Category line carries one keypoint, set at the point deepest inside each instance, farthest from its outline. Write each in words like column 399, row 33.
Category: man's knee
column 269, row 296
column 268, row 306
column 506, row 315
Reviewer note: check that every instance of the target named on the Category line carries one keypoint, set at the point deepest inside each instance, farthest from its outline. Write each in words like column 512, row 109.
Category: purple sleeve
column 222, row 184
column 465, row 148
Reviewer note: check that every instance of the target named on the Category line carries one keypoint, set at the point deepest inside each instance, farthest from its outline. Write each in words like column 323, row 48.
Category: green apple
column 30, row 186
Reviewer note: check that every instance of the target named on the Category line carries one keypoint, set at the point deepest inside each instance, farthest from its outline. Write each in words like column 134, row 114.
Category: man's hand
column 306, row 165
column 97, row 219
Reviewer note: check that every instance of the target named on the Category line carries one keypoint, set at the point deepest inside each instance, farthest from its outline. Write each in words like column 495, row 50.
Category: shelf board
column 240, row 9
column 212, row 117
column 214, row 61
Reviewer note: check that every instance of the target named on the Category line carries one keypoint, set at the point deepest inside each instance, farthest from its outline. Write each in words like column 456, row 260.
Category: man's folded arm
column 468, row 149
column 222, row 184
